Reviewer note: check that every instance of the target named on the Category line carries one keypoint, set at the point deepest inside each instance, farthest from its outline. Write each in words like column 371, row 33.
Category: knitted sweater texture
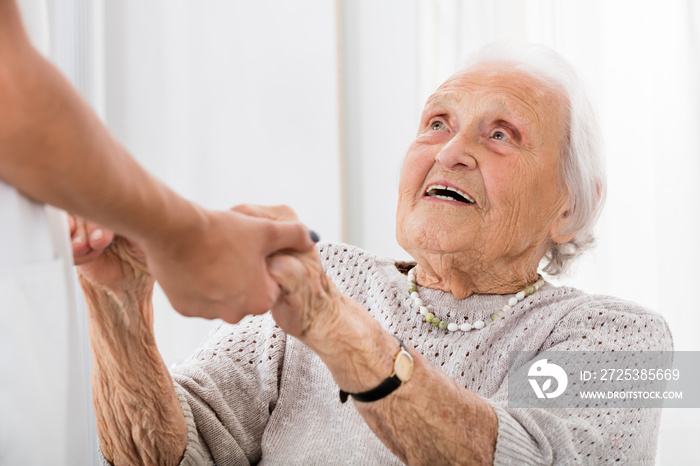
column 252, row 395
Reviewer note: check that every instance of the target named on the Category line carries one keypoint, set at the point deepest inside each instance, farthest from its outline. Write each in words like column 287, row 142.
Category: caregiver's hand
column 217, row 268
column 306, row 292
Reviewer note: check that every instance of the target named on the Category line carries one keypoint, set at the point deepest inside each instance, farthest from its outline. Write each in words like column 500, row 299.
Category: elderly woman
column 504, row 174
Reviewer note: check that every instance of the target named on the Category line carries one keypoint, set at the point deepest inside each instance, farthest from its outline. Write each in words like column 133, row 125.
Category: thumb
column 289, row 235
column 281, row 269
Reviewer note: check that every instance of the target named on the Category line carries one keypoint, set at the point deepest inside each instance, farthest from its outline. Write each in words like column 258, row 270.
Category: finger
column 281, row 269
column 79, row 238
column 260, row 299
column 98, row 238
column 276, row 212
column 246, row 209
column 289, row 311
column 288, row 235
column 264, row 299
column 284, row 212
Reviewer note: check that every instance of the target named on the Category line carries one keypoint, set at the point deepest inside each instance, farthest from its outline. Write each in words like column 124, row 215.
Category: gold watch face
column 403, row 366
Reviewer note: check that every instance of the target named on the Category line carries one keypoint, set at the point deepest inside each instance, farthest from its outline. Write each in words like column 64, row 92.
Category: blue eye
column 499, row 135
column 438, row 126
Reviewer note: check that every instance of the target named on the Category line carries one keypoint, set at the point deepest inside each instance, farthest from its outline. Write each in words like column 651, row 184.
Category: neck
column 463, row 281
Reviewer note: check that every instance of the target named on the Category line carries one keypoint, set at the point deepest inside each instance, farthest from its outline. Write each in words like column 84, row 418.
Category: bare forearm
column 54, row 148
column 139, row 419
column 431, row 420
column 428, row 420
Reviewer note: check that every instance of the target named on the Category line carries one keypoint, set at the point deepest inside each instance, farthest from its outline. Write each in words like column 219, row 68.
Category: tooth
column 438, row 187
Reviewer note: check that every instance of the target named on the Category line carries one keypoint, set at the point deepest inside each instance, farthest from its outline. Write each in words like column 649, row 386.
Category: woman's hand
column 307, row 296
column 309, row 302
column 216, row 267
column 88, row 239
column 312, row 309
column 106, row 260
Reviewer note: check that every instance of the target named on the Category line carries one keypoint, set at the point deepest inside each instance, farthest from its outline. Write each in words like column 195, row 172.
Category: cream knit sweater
column 251, row 394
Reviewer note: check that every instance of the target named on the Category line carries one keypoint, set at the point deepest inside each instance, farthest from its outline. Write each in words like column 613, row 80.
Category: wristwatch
column 403, row 369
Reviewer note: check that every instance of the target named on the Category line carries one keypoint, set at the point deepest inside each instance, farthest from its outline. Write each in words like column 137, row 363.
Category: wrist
column 354, row 346
column 120, row 314
column 177, row 228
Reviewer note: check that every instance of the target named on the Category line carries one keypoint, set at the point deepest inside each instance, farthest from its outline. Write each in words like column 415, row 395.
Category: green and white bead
column 431, row 318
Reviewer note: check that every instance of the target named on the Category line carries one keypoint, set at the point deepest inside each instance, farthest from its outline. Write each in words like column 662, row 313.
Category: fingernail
column 78, row 239
column 96, row 234
column 314, row 236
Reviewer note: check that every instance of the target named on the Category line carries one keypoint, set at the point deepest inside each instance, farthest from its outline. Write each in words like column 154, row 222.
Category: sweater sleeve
column 586, row 435
column 227, row 390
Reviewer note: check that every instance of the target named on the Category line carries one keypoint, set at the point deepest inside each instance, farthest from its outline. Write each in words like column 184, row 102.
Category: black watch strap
column 381, row 390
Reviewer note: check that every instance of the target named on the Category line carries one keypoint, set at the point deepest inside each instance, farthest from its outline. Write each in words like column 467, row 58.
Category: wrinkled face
column 481, row 178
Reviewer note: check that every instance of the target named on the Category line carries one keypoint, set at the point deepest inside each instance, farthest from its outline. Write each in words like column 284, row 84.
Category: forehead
column 500, row 88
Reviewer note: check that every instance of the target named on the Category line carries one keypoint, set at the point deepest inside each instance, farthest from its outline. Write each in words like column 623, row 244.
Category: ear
column 559, row 226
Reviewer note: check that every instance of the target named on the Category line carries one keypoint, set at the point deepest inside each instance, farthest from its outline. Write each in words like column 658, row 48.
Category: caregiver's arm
column 428, row 420
column 54, row 149
column 139, row 419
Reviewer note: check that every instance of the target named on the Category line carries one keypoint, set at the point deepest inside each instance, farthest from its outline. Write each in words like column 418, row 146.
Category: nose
column 456, row 154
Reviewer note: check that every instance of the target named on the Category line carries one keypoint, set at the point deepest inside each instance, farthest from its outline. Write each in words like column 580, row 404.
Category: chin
column 432, row 239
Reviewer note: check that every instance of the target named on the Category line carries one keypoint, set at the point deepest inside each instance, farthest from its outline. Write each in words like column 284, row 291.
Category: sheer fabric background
column 313, row 103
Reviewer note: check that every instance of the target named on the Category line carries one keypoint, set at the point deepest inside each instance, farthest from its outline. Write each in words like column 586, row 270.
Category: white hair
column 582, row 170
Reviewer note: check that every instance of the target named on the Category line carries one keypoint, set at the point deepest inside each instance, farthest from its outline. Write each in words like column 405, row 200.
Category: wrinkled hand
column 351, row 343
column 120, row 267
column 219, row 269
column 88, row 240
column 309, row 301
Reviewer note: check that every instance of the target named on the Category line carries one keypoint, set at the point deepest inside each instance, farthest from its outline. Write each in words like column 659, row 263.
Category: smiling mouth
column 447, row 193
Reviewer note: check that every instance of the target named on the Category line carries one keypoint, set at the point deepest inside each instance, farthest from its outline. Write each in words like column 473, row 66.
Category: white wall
column 380, row 112
column 228, row 102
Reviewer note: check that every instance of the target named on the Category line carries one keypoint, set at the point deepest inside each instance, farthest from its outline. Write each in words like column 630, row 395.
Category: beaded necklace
column 465, row 327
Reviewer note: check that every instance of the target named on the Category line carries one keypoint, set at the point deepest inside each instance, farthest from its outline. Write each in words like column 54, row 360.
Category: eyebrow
column 514, row 118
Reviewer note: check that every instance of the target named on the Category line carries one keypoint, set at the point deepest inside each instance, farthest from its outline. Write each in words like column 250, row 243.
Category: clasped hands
column 292, row 283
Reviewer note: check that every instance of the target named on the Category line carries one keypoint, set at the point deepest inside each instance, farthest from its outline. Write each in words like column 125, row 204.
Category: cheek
column 521, row 196
column 416, row 165
column 521, row 180
column 503, row 181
